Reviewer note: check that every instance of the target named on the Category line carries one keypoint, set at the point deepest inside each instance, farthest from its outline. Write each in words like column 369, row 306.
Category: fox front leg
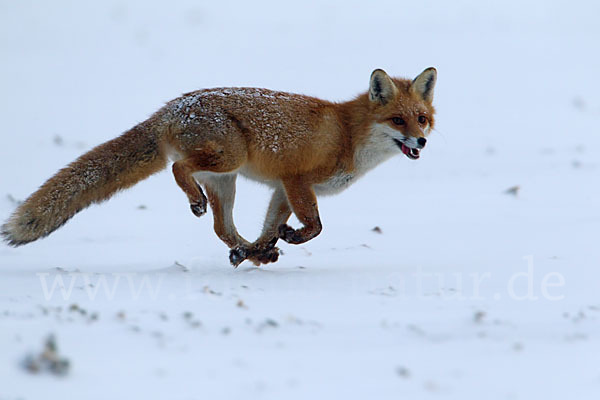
column 303, row 202
column 296, row 195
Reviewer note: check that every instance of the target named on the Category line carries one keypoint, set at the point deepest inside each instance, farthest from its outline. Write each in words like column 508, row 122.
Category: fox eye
column 398, row 121
column 422, row 119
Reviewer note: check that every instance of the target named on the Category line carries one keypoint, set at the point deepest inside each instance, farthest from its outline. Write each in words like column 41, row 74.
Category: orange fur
column 297, row 144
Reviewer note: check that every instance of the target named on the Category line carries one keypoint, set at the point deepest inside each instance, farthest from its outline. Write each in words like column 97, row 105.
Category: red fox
column 299, row 145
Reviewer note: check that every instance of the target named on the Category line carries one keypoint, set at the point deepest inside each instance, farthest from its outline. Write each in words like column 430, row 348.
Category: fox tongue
column 405, row 150
column 413, row 154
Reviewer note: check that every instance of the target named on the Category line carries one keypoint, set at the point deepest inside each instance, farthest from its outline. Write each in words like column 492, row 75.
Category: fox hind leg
column 210, row 157
column 183, row 170
column 221, row 194
column 263, row 250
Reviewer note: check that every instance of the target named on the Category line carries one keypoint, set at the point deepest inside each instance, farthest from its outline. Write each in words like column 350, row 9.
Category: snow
column 468, row 292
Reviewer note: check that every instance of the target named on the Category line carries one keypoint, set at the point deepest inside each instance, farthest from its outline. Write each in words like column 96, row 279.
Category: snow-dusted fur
column 92, row 178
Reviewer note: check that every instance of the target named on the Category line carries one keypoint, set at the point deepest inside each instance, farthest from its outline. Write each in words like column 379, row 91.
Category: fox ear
column 423, row 84
column 382, row 88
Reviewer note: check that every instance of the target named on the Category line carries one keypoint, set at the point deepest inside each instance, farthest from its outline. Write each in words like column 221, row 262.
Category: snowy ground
column 467, row 293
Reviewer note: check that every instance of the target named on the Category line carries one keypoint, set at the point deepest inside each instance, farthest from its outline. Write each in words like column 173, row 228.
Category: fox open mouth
column 411, row 153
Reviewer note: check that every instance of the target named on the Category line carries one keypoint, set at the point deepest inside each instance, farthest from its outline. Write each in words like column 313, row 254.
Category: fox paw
column 257, row 255
column 198, row 208
column 265, row 257
column 238, row 255
column 290, row 234
column 198, row 202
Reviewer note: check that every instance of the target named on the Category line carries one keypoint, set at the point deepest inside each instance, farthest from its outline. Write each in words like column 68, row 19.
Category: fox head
column 402, row 109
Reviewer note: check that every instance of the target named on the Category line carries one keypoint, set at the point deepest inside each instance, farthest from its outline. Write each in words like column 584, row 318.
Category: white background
column 467, row 293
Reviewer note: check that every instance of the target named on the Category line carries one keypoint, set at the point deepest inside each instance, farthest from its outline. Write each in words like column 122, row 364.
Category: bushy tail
column 92, row 178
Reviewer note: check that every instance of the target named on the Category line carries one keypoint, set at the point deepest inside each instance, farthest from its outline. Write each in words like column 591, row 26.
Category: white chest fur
column 376, row 149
